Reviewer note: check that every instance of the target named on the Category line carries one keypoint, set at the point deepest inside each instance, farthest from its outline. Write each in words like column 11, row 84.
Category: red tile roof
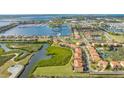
column 78, row 61
column 93, row 53
column 102, row 64
column 115, row 64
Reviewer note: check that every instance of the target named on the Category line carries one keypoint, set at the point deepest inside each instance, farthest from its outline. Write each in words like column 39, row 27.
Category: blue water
column 6, row 49
column 40, row 55
column 35, row 30
column 41, row 30
column 49, row 16
column 4, row 23
column 32, row 17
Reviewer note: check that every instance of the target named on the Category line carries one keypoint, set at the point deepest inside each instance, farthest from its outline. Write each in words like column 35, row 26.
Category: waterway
column 6, row 49
column 41, row 54
column 4, row 23
column 38, row 30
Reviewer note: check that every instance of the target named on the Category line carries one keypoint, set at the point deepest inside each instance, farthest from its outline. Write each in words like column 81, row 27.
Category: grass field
column 60, row 57
column 58, row 65
column 26, row 47
column 118, row 38
column 4, row 59
column 57, row 71
column 21, row 56
column 25, row 60
column 1, row 51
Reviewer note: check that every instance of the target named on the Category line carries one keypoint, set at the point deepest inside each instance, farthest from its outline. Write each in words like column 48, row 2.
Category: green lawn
column 25, row 60
column 60, row 57
column 118, row 38
column 26, row 47
column 1, row 51
column 57, row 71
column 4, row 59
column 21, row 56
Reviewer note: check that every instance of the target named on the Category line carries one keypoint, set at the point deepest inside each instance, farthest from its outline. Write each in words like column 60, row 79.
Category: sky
column 61, row 6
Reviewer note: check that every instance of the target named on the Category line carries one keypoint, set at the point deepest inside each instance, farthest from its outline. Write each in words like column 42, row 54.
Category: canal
column 6, row 49
column 41, row 54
